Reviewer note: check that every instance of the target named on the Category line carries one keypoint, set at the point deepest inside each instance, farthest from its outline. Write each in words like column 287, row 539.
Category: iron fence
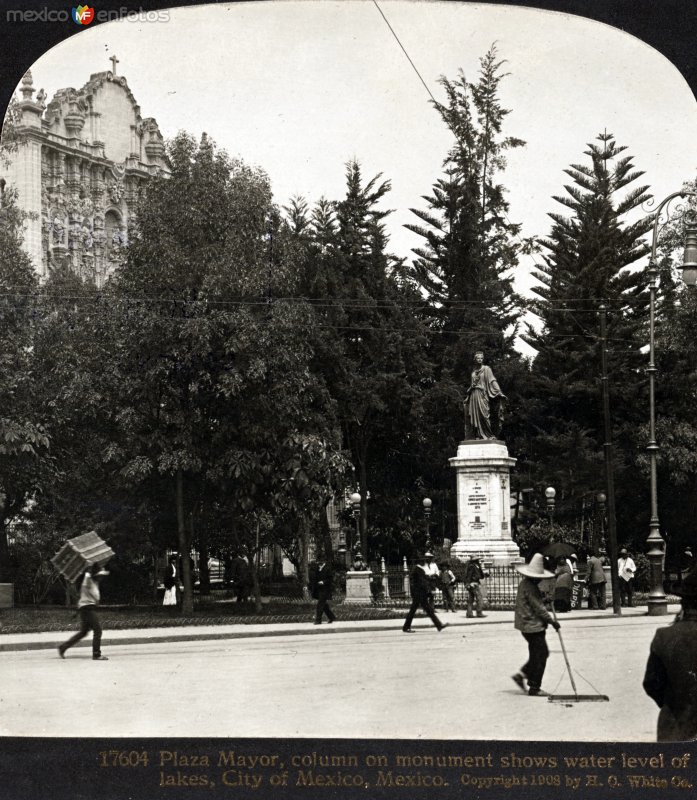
column 390, row 586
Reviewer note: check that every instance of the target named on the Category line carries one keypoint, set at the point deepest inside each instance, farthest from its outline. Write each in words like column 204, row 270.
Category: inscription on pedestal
column 477, row 504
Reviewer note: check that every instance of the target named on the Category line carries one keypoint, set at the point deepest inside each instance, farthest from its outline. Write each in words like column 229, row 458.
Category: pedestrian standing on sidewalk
column 532, row 619
column 671, row 670
column 447, row 585
column 596, row 583
column 321, row 589
column 473, row 575
column 170, row 582
column 431, row 570
column 563, row 586
column 626, row 569
column 87, row 608
column 421, row 593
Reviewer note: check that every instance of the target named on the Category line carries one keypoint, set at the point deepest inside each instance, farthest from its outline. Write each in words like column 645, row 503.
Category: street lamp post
column 657, row 604
column 601, row 498
column 427, row 504
column 608, row 538
column 550, row 494
column 341, row 549
column 355, row 500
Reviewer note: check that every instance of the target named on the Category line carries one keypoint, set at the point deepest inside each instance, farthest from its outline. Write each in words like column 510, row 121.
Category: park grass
column 216, row 609
column 38, row 619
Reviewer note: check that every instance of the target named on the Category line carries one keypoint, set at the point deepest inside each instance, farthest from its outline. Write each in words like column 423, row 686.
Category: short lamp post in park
column 657, row 603
column 341, row 549
column 355, row 500
column 601, row 499
column 550, row 494
column 428, row 505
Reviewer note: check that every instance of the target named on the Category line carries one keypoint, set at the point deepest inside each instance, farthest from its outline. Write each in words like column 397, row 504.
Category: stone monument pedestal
column 358, row 587
column 483, row 502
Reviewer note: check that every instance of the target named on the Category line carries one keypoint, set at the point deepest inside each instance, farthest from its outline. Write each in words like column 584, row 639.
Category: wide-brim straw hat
column 536, row 568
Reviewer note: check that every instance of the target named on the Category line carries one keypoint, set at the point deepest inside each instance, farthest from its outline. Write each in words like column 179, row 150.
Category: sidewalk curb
column 150, row 636
column 195, row 637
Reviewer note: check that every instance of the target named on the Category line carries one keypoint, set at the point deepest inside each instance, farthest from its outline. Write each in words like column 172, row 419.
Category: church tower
column 80, row 162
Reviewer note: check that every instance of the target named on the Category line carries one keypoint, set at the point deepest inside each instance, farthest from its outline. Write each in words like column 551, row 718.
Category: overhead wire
column 263, row 301
column 178, row 316
column 516, row 234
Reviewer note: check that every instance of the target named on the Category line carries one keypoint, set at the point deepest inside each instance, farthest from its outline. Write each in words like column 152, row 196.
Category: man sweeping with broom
column 532, row 619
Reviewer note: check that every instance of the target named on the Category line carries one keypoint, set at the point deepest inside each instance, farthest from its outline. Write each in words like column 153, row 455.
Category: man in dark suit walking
column 321, row 590
column 671, row 670
column 421, row 593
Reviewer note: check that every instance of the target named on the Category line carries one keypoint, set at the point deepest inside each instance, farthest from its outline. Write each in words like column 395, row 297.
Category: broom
column 575, row 697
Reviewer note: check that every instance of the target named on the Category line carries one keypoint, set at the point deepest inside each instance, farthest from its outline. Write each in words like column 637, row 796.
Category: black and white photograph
column 348, row 383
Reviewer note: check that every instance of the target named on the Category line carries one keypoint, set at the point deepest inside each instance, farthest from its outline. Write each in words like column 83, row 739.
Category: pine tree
column 466, row 263
column 370, row 349
column 586, row 265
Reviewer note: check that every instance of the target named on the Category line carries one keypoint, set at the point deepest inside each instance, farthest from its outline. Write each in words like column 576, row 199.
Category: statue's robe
column 483, row 390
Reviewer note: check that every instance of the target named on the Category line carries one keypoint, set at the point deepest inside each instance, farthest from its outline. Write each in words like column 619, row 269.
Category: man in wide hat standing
column 472, row 577
column 671, row 670
column 532, row 619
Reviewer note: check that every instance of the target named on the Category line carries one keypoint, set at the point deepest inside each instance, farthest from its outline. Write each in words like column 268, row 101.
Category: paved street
column 369, row 683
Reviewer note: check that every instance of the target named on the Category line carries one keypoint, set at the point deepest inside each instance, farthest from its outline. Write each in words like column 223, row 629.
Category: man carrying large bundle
column 87, row 607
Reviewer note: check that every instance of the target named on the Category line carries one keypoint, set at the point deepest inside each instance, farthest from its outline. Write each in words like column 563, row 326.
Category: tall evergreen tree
column 370, row 349
column 465, row 265
column 465, row 268
column 587, row 264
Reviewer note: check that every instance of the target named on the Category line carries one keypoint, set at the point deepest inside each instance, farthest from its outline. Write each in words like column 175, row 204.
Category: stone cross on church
column 114, row 62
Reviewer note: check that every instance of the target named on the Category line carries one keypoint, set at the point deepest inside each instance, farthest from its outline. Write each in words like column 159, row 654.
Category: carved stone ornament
column 116, row 191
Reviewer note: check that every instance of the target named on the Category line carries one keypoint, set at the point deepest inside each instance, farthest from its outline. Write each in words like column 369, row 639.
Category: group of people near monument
column 426, row 577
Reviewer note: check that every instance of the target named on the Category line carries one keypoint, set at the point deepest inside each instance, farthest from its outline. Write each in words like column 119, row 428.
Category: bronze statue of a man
column 483, row 393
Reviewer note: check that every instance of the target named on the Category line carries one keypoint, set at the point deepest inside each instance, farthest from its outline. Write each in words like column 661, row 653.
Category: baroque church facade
column 80, row 162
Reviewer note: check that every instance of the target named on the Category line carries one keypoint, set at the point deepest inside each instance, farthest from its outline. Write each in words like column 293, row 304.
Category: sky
column 300, row 88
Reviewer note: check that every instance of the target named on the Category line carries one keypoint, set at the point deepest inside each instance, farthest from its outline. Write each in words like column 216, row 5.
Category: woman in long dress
column 170, row 583
column 482, row 389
